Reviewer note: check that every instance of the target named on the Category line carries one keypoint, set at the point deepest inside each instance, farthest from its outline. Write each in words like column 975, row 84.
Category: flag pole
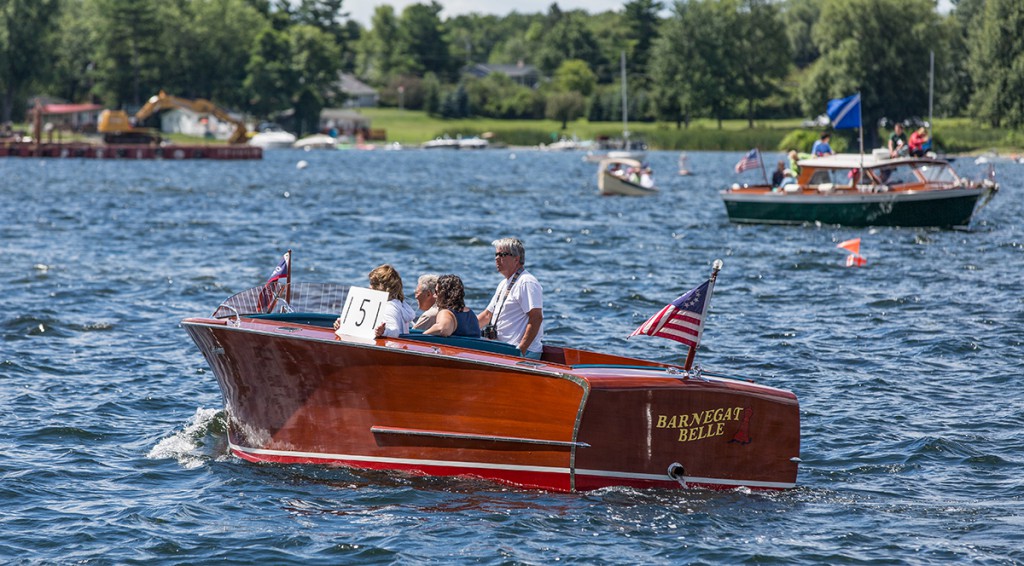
column 764, row 172
column 715, row 268
column 288, row 291
column 860, row 129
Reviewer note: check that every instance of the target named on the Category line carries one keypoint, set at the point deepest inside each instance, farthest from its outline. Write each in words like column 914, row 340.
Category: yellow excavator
column 117, row 127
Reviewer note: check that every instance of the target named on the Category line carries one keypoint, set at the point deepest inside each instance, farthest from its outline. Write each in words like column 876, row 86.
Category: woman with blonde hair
column 396, row 315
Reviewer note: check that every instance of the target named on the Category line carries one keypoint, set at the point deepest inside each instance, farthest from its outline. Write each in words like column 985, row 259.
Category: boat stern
column 675, row 430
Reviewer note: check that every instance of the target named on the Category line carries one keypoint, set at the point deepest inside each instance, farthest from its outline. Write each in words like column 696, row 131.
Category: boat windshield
column 896, row 175
column 303, row 297
column 937, row 173
column 837, row 177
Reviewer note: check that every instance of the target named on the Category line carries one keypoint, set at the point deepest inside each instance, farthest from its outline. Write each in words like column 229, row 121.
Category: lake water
column 908, row 369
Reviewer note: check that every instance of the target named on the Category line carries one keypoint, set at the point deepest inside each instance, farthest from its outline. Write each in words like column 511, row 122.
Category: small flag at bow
column 681, row 320
column 751, row 160
column 268, row 294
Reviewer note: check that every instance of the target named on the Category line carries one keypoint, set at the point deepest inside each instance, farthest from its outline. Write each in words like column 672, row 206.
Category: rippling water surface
column 908, row 370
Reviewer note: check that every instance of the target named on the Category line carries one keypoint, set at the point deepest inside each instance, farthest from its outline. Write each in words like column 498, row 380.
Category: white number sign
column 362, row 312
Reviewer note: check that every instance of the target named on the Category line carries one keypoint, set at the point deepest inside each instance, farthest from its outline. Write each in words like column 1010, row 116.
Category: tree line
column 718, row 59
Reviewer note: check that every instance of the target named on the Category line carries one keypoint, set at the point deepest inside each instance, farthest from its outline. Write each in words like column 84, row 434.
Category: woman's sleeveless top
column 466, row 324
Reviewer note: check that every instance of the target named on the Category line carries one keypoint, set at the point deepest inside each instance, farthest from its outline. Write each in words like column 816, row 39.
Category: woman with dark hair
column 454, row 318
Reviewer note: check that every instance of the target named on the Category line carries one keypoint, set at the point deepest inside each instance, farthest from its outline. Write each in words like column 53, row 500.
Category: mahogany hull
column 296, row 393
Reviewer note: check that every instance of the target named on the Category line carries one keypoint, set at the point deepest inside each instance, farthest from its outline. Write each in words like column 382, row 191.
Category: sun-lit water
column 908, row 369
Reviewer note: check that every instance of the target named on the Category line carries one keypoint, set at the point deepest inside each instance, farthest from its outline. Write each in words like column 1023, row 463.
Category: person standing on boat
column 396, row 315
column 515, row 314
column 426, row 298
column 822, row 147
column 454, row 318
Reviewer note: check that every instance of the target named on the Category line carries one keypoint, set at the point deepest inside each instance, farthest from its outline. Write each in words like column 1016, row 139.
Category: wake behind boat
column 865, row 190
column 297, row 392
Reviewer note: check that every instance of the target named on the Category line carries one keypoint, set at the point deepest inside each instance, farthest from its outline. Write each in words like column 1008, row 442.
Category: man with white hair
column 426, row 297
column 515, row 314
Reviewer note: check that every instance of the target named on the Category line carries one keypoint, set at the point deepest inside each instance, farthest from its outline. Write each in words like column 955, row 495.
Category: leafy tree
column 800, row 17
column 270, row 75
column 761, row 53
column 431, row 95
column 498, row 96
column 456, row 104
column 24, row 28
column 564, row 35
column 565, row 106
column 316, row 60
column 879, row 48
column 215, row 45
column 574, row 75
column 129, row 56
column 694, row 59
column 640, row 18
column 997, row 64
column 70, row 77
column 379, row 50
column 422, row 39
column 329, row 16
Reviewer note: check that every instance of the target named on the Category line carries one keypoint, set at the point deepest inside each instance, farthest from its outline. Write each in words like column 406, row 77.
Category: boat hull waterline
column 297, row 394
column 953, row 207
column 865, row 190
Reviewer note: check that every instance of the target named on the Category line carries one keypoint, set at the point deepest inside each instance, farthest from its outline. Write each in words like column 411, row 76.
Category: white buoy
column 302, row 164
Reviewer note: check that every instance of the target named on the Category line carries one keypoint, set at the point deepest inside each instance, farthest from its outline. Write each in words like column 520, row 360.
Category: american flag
column 266, row 297
column 681, row 320
column 749, row 161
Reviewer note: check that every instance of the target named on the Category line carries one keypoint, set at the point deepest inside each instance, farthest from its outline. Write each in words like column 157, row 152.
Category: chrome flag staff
column 683, row 319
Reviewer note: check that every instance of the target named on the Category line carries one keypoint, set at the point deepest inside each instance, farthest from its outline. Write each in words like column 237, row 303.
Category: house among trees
column 522, row 74
column 357, row 93
column 71, row 117
column 184, row 121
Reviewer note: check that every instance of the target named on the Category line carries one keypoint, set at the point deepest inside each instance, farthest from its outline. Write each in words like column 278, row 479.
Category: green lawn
column 415, row 127
column 410, row 127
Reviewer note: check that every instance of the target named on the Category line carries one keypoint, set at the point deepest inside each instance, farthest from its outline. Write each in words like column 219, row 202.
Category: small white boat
column 317, row 141
column 441, row 143
column 626, row 177
column 473, row 143
column 272, row 140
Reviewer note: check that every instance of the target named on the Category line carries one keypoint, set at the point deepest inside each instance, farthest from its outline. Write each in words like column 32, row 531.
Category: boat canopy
column 856, row 161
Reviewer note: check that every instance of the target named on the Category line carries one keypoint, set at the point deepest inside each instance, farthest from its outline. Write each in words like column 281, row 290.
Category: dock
column 129, row 151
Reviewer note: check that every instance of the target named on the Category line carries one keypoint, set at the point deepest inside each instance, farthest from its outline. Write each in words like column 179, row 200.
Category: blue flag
column 844, row 112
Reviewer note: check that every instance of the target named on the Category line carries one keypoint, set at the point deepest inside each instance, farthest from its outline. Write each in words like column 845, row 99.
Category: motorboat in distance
column 865, row 190
column 625, row 177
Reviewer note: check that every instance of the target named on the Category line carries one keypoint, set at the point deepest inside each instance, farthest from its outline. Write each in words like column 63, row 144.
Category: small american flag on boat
column 267, row 296
column 681, row 320
column 751, row 160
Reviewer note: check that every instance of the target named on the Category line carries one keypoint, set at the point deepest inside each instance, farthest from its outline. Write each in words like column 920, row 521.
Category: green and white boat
column 865, row 190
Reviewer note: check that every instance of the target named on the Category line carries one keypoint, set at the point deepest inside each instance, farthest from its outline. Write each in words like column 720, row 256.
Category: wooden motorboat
column 622, row 177
column 865, row 190
column 295, row 392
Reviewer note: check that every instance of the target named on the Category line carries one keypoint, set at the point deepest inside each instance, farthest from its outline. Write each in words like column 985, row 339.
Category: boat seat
column 327, row 321
column 482, row 344
column 310, row 318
